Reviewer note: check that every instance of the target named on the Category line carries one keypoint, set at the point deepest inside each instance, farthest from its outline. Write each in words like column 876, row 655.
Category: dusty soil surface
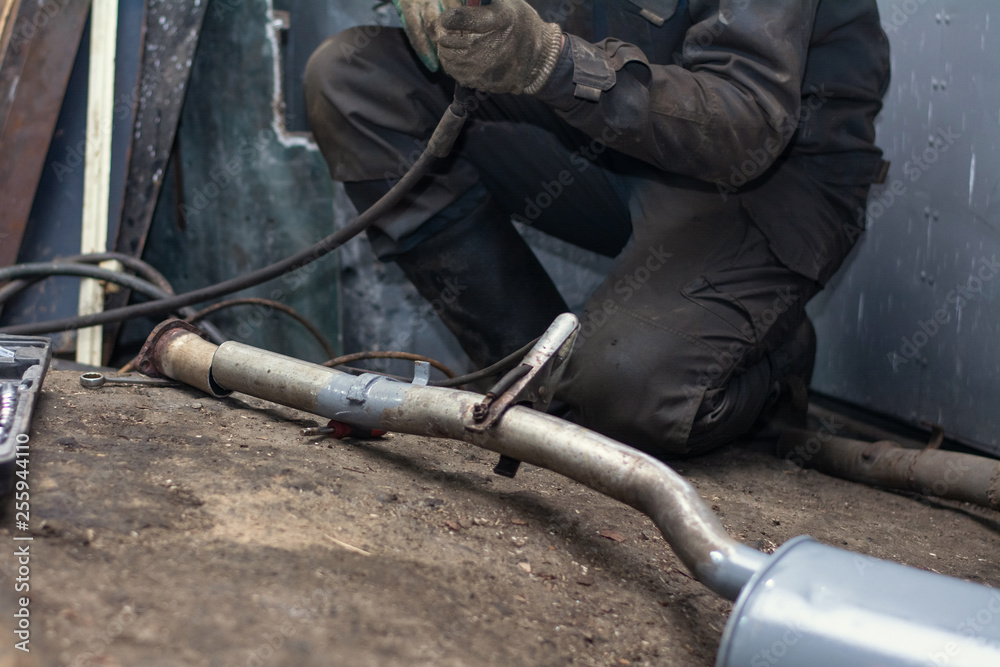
column 175, row 529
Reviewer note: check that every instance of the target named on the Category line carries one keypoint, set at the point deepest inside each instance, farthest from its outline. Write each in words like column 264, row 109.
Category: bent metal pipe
column 370, row 401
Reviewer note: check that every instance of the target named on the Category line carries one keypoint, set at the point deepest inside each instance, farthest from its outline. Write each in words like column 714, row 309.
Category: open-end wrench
column 95, row 380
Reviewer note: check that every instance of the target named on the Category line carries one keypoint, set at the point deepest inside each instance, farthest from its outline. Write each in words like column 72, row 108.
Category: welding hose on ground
column 439, row 146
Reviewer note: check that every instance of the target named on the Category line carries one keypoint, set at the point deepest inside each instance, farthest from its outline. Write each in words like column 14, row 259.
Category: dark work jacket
column 733, row 92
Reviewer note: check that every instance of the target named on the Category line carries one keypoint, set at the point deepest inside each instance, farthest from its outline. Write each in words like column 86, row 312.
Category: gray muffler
column 813, row 605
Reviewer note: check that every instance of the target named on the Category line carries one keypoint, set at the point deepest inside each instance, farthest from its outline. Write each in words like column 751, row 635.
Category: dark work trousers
column 674, row 352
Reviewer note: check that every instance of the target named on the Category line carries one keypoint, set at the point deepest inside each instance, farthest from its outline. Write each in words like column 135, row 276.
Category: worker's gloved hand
column 504, row 47
column 417, row 17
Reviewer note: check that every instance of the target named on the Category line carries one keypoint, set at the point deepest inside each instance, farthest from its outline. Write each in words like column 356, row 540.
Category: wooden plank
column 33, row 77
column 8, row 9
column 97, row 167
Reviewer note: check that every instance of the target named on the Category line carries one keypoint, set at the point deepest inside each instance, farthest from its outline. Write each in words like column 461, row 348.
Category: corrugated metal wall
column 911, row 326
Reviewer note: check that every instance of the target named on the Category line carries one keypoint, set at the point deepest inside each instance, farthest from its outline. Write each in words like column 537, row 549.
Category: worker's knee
column 664, row 416
column 632, row 383
column 370, row 102
column 328, row 72
column 649, row 388
column 339, row 64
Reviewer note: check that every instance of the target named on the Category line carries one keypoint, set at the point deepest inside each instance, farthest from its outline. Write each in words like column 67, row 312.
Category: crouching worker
column 720, row 151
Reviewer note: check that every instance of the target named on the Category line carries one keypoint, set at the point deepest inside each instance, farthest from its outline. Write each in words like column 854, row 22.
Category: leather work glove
column 504, row 47
column 417, row 17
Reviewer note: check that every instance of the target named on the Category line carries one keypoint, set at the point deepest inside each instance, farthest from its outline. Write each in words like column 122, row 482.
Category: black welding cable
column 440, row 144
column 388, row 354
column 137, row 266
column 43, row 270
column 506, row 363
column 50, row 269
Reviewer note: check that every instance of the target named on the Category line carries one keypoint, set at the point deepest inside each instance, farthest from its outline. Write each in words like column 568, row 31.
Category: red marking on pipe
column 342, row 430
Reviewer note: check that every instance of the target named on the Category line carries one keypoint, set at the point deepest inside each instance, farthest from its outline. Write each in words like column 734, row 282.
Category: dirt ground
column 171, row 528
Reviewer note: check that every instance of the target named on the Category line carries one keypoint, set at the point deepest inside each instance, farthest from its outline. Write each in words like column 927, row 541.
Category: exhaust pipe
column 808, row 604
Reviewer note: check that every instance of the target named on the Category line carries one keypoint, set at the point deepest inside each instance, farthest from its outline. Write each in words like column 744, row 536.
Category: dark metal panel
column 910, row 327
column 53, row 228
column 172, row 30
column 33, row 79
column 250, row 194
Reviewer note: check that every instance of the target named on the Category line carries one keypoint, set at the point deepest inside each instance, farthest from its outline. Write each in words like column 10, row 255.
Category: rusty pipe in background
column 930, row 472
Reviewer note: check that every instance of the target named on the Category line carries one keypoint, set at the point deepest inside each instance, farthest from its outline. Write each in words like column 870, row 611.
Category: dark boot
column 791, row 373
column 493, row 293
column 783, row 374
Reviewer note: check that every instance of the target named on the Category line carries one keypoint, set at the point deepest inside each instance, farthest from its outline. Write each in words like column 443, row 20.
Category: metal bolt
column 480, row 411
